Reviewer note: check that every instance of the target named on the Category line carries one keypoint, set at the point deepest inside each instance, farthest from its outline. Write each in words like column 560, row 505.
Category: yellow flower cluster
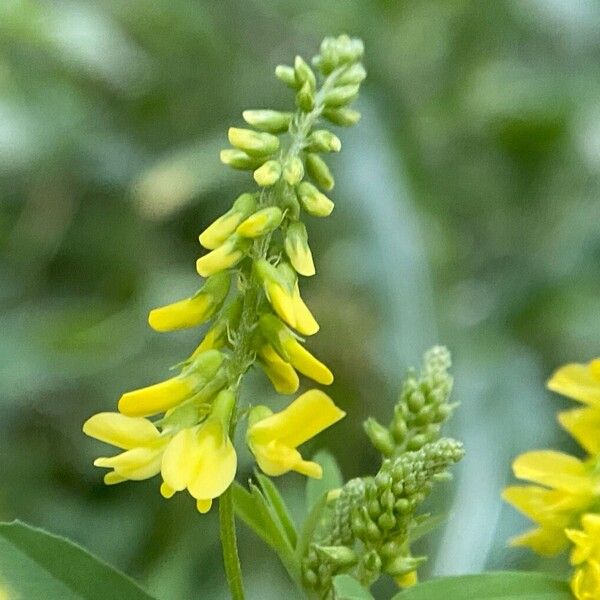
column 565, row 502
column 251, row 300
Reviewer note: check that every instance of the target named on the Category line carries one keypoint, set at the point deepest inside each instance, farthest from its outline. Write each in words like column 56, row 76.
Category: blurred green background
column 467, row 213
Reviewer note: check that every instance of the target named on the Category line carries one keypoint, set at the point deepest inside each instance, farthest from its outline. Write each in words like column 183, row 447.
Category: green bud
column 322, row 140
column 402, row 505
column 344, row 117
column 287, row 75
column 399, row 429
column 319, row 171
column 290, row 204
column 372, row 562
column 417, row 442
column 237, row 159
column 388, row 499
column 252, row 142
column 415, row 400
column 401, row 565
column 386, row 521
column 340, row 556
column 271, row 121
column 293, row 171
column 206, row 364
column 313, row 201
column 380, row 436
column 340, row 96
column 303, row 73
column 374, row 509
column 353, row 75
column 268, row 174
column 305, row 98
column 298, row 250
column 310, row 578
column 261, row 222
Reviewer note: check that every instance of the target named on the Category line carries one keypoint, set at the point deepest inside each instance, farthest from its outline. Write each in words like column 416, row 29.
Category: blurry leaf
column 490, row 586
column 278, row 505
column 309, row 525
column 332, row 478
column 426, row 526
column 258, row 513
column 37, row 564
column 347, row 588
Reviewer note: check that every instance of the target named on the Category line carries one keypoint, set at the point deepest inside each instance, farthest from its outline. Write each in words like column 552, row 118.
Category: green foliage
column 490, row 586
column 346, row 587
column 37, row 564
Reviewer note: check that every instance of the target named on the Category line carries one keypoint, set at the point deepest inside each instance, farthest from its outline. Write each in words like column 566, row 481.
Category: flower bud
column 341, row 556
column 353, row 75
column 261, row 222
column 281, row 374
column 236, row 159
column 305, row 98
column 271, row 121
column 344, row 117
column 340, row 96
column 319, row 171
column 253, row 143
column 401, row 565
column 313, row 201
column 298, row 250
column 278, row 291
column 293, row 171
column 380, row 436
column 268, row 174
column 305, row 323
column 287, row 75
column 224, row 257
column 303, row 73
column 216, row 233
column 192, row 311
column 322, row 140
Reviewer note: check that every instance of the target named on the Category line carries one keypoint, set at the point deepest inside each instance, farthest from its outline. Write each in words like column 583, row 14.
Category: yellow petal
column 111, row 478
column 591, row 525
column 136, row 464
column 306, row 363
column 120, row 430
column 584, row 425
column 553, row 469
column 156, row 398
column 578, row 381
column 586, row 581
column 305, row 322
column 216, row 233
column 544, row 541
column 181, row 315
column 224, row 257
column 180, row 460
column 166, row 491
column 217, row 465
column 544, row 506
column 304, row 418
column 281, row 374
column 582, row 545
column 204, row 505
column 275, row 459
column 282, row 302
column 407, row 580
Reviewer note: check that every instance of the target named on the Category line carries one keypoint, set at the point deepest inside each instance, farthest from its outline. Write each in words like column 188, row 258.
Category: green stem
column 231, row 560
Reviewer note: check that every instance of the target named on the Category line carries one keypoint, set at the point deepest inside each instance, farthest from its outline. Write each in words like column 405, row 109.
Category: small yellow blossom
column 407, row 580
column 281, row 374
column 261, row 222
column 141, row 440
column 224, row 257
column 586, row 557
column 216, row 233
column 192, row 311
column 202, row 459
column 274, row 437
column 298, row 250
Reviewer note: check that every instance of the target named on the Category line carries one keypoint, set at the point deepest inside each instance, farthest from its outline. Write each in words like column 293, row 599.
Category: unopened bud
column 305, row 98
column 287, row 75
column 253, row 143
column 313, row 201
column 353, row 75
column 344, row 117
column 303, row 73
column 271, row 121
column 268, row 174
column 322, row 140
column 237, row 159
column 340, row 556
column 298, row 250
column 340, row 96
column 293, row 171
column 261, row 222
column 318, row 170
column 380, row 436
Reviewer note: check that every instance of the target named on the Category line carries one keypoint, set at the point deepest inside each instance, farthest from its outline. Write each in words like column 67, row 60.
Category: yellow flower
column 585, row 582
column 202, row 458
column 216, row 233
column 407, row 580
column 578, row 381
column 570, row 487
column 224, row 257
column 140, row 439
column 273, row 438
column 192, row 311
column 282, row 375
column 261, row 222
column 586, row 556
column 298, row 250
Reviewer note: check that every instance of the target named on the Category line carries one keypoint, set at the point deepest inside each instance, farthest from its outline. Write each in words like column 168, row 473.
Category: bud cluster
column 421, row 409
column 370, row 520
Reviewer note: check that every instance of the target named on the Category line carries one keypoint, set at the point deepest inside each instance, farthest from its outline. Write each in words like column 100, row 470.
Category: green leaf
column 309, row 526
column 347, row 588
column 504, row 585
column 426, row 526
column 279, row 507
column 332, row 478
column 37, row 564
column 255, row 510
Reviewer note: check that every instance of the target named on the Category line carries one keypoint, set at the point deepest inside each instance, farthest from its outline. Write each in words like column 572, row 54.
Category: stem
column 231, row 560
